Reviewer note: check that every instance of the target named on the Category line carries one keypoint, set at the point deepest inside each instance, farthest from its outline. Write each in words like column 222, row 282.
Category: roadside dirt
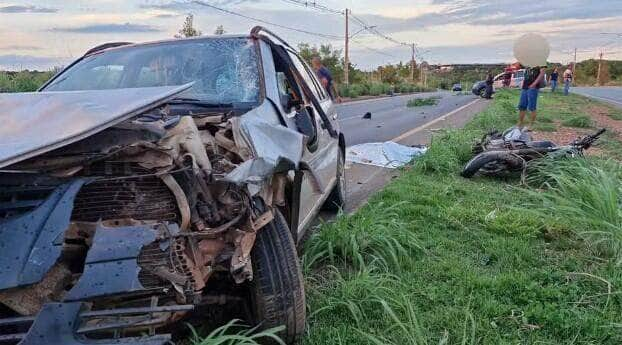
column 599, row 114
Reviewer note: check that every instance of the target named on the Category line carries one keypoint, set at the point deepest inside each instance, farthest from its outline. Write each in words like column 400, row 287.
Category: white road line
column 438, row 119
column 598, row 97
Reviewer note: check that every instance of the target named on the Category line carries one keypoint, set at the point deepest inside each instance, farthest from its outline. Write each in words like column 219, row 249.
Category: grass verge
column 421, row 102
column 437, row 259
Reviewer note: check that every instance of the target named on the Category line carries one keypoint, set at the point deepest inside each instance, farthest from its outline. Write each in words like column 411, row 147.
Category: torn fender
column 274, row 147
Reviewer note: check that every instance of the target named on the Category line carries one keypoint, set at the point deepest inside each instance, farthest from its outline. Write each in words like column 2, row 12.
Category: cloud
column 19, row 47
column 192, row 5
column 108, row 28
column 27, row 9
column 166, row 15
column 20, row 62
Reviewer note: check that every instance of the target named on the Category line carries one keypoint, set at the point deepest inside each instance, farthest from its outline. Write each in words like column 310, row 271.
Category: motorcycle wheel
column 490, row 164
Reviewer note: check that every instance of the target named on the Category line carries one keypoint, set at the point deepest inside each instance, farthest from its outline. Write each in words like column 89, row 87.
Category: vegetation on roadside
column 421, row 102
column 24, row 81
column 437, row 259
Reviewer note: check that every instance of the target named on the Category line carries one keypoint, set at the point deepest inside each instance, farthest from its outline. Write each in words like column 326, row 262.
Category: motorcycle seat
column 544, row 144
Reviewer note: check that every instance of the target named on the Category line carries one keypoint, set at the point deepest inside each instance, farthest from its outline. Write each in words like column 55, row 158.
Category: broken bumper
column 73, row 324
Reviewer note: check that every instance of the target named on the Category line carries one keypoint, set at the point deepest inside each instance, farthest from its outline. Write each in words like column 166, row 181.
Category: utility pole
column 600, row 64
column 346, row 67
column 412, row 63
column 574, row 68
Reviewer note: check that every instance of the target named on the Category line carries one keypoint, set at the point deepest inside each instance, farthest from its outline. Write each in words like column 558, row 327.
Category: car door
column 320, row 160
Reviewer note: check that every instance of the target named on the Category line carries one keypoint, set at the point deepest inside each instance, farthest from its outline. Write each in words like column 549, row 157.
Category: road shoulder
column 365, row 180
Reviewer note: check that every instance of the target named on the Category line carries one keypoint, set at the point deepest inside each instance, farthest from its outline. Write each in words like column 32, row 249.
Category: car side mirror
column 305, row 124
column 288, row 102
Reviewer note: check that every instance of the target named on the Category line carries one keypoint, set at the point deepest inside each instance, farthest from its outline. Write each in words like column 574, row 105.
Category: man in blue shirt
column 534, row 80
column 325, row 78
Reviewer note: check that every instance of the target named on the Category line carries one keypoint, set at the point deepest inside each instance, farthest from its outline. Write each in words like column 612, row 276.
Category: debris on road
column 367, row 116
column 387, row 154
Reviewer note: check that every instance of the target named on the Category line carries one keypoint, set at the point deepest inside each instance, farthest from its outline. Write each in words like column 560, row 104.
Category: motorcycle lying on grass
column 501, row 153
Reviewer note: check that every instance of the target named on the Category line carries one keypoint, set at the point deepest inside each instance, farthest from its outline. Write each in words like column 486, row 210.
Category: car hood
column 38, row 122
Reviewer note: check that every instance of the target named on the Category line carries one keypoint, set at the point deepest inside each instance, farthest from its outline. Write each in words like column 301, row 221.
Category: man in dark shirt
column 489, row 88
column 554, row 77
column 325, row 78
column 534, row 77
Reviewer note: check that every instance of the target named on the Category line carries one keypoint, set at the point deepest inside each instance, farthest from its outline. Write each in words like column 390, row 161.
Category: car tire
column 482, row 92
column 337, row 199
column 277, row 290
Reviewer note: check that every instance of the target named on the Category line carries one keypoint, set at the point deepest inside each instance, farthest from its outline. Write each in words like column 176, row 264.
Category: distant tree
column 331, row 58
column 605, row 77
column 220, row 30
column 188, row 29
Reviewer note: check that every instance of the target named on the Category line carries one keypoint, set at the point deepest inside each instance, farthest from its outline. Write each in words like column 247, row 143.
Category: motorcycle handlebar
column 588, row 140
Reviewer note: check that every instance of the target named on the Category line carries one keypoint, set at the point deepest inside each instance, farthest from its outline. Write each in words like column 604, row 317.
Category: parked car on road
column 456, row 87
column 515, row 82
column 479, row 88
column 146, row 180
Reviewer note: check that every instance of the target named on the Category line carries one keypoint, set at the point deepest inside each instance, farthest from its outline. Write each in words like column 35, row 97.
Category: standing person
column 325, row 78
column 489, row 82
column 567, row 80
column 534, row 79
column 554, row 77
column 507, row 76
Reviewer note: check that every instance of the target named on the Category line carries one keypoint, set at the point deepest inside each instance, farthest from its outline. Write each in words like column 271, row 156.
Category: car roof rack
column 106, row 46
column 260, row 31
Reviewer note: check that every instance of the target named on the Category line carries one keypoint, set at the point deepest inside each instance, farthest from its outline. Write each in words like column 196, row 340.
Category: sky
column 37, row 34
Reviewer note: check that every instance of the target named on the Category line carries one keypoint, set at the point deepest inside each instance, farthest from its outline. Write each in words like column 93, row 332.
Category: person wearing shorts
column 528, row 102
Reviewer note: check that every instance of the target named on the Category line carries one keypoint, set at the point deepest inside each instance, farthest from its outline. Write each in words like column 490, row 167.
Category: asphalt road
column 391, row 117
column 612, row 95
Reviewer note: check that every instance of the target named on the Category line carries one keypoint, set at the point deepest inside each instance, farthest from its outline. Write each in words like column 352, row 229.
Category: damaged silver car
column 146, row 181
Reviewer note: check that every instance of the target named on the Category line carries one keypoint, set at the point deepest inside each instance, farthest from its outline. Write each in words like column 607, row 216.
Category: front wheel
column 490, row 164
column 277, row 289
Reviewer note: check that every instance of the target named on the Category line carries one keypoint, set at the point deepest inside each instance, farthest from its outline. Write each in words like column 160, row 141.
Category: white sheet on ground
column 387, row 154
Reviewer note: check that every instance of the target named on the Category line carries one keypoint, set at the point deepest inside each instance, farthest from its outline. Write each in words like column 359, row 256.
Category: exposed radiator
column 118, row 196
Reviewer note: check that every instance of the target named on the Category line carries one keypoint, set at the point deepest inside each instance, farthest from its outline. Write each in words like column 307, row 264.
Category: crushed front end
column 114, row 237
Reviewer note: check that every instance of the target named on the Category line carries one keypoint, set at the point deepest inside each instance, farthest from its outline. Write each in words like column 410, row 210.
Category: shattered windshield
column 224, row 70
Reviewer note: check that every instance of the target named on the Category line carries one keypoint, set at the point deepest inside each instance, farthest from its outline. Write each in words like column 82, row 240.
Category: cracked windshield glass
column 222, row 70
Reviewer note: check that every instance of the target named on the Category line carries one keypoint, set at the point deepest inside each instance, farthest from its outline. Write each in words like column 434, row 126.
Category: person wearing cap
column 534, row 80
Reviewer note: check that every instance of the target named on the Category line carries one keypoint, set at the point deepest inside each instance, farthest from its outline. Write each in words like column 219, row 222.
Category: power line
column 380, row 52
column 372, row 29
column 314, row 5
column 202, row 3
column 364, row 25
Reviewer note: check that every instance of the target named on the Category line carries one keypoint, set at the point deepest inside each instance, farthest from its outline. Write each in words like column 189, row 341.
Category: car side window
column 307, row 76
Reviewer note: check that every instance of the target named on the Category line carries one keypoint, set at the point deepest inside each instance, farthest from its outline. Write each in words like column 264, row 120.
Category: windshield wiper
column 199, row 103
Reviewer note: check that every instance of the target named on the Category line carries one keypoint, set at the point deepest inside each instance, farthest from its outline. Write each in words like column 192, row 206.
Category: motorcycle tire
column 478, row 162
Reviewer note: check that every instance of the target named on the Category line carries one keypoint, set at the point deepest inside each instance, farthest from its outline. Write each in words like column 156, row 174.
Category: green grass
column 437, row 259
column 421, row 102
column 578, row 121
column 616, row 114
column 234, row 333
